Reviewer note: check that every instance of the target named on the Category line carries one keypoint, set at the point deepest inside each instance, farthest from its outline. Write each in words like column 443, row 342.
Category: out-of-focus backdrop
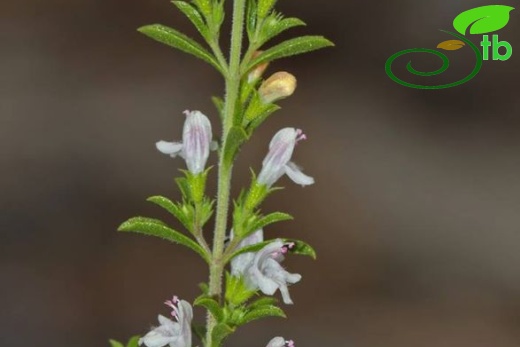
column 415, row 214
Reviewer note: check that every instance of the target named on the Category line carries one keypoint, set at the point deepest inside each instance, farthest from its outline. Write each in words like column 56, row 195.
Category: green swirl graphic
column 444, row 67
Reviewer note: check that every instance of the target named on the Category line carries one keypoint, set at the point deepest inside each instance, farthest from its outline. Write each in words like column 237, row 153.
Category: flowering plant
column 243, row 293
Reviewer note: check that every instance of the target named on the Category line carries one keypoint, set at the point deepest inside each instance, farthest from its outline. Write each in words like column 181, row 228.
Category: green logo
column 478, row 21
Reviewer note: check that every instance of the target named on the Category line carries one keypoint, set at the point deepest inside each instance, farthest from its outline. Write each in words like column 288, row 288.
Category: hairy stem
column 225, row 168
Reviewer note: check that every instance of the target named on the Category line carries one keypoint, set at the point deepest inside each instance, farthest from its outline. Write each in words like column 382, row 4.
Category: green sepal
column 220, row 332
column 181, row 213
column 197, row 185
column 269, row 219
column 175, row 39
column 237, row 291
column 154, row 227
column 211, row 305
column 194, row 16
column 235, row 138
column 289, row 48
column 260, row 312
column 256, row 195
column 114, row 343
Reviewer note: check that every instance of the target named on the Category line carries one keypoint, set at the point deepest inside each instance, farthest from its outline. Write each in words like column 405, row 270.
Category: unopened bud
column 279, row 86
column 258, row 71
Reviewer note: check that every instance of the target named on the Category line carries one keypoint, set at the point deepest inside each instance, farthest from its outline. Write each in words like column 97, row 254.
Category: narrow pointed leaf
column 291, row 47
column 173, row 38
column 114, row 343
column 265, row 301
column 133, row 342
column 300, row 248
column 236, row 137
column 212, row 306
column 274, row 27
column 194, row 16
column 220, row 332
column 263, row 312
column 483, row 19
column 173, row 209
column 154, row 227
column 270, row 219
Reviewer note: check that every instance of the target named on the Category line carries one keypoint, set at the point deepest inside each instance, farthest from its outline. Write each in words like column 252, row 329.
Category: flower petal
column 276, row 342
column 241, row 262
column 294, row 172
column 171, row 148
column 155, row 339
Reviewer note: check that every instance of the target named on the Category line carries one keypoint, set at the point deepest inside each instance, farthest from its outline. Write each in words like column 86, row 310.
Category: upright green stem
column 225, row 168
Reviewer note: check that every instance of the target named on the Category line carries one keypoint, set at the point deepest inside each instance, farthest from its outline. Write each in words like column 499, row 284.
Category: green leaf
column 270, row 219
column 154, row 227
column 302, row 248
column 133, row 342
column 264, row 7
column 262, row 312
column 199, row 330
column 251, row 19
column 173, row 38
column 220, row 332
column 274, row 25
column 265, row 301
column 236, row 137
column 114, row 343
column 291, row 47
column 212, row 306
column 219, row 105
column 261, row 116
column 173, row 209
column 194, row 16
column 482, row 20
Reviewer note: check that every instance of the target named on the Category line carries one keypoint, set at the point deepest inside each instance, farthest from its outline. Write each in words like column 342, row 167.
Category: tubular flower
column 173, row 333
column 196, row 142
column 262, row 270
column 280, row 342
column 277, row 162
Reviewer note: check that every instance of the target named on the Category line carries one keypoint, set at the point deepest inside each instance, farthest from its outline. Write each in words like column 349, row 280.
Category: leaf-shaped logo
column 483, row 20
column 451, row 45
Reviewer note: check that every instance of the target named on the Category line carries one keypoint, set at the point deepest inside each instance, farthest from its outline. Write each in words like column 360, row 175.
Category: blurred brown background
column 415, row 214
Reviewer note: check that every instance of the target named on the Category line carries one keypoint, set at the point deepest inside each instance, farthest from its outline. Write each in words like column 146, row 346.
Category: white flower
column 196, row 142
column 262, row 270
column 277, row 162
column 173, row 333
column 280, row 342
column 240, row 263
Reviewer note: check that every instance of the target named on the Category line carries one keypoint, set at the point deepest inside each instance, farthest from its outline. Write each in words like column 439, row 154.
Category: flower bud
column 258, row 71
column 279, row 86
